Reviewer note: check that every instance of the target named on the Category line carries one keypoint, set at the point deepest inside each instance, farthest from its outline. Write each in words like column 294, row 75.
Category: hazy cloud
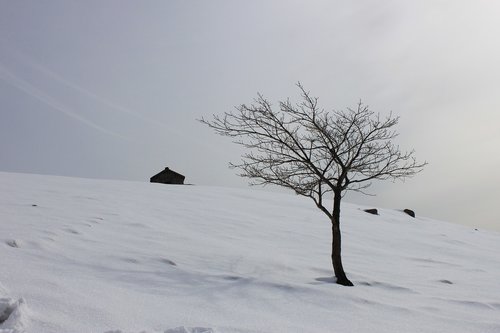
column 37, row 93
column 147, row 71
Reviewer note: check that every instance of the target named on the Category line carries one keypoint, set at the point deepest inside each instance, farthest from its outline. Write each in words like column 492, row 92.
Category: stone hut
column 168, row 176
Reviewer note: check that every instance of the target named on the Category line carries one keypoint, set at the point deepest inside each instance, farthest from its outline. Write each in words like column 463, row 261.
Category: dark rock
column 33, row 205
column 373, row 211
column 409, row 212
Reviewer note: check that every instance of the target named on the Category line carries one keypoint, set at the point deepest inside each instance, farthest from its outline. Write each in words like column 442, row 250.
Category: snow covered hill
column 80, row 255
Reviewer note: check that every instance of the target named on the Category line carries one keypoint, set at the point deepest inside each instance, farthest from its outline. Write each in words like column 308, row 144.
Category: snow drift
column 80, row 255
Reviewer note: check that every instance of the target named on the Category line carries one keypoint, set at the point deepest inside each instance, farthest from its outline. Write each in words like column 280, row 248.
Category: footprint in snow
column 445, row 281
column 12, row 315
column 388, row 286
column 95, row 220
column 12, row 243
column 131, row 260
column 232, row 278
column 72, row 231
column 168, row 261
column 182, row 329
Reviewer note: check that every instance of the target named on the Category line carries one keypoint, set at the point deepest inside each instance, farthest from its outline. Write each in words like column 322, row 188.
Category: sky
column 114, row 89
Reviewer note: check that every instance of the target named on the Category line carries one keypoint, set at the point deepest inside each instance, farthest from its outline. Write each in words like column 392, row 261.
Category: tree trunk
column 336, row 243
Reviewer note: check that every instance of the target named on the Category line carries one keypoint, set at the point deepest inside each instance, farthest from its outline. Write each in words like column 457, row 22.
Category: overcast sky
column 112, row 89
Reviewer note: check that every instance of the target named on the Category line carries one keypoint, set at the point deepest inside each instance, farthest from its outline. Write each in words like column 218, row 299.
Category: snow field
column 80, row 255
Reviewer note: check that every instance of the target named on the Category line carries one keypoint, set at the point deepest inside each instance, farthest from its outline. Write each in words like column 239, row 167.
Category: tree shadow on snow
column 327, row 279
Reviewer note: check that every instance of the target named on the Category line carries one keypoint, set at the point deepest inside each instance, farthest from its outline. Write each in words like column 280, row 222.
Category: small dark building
column 168, row 176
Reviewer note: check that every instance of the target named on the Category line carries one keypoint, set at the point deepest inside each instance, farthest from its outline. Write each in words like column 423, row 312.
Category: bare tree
column 316, row 153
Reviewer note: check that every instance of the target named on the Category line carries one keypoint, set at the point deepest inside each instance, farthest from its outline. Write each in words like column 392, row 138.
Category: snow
column 81, row 255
